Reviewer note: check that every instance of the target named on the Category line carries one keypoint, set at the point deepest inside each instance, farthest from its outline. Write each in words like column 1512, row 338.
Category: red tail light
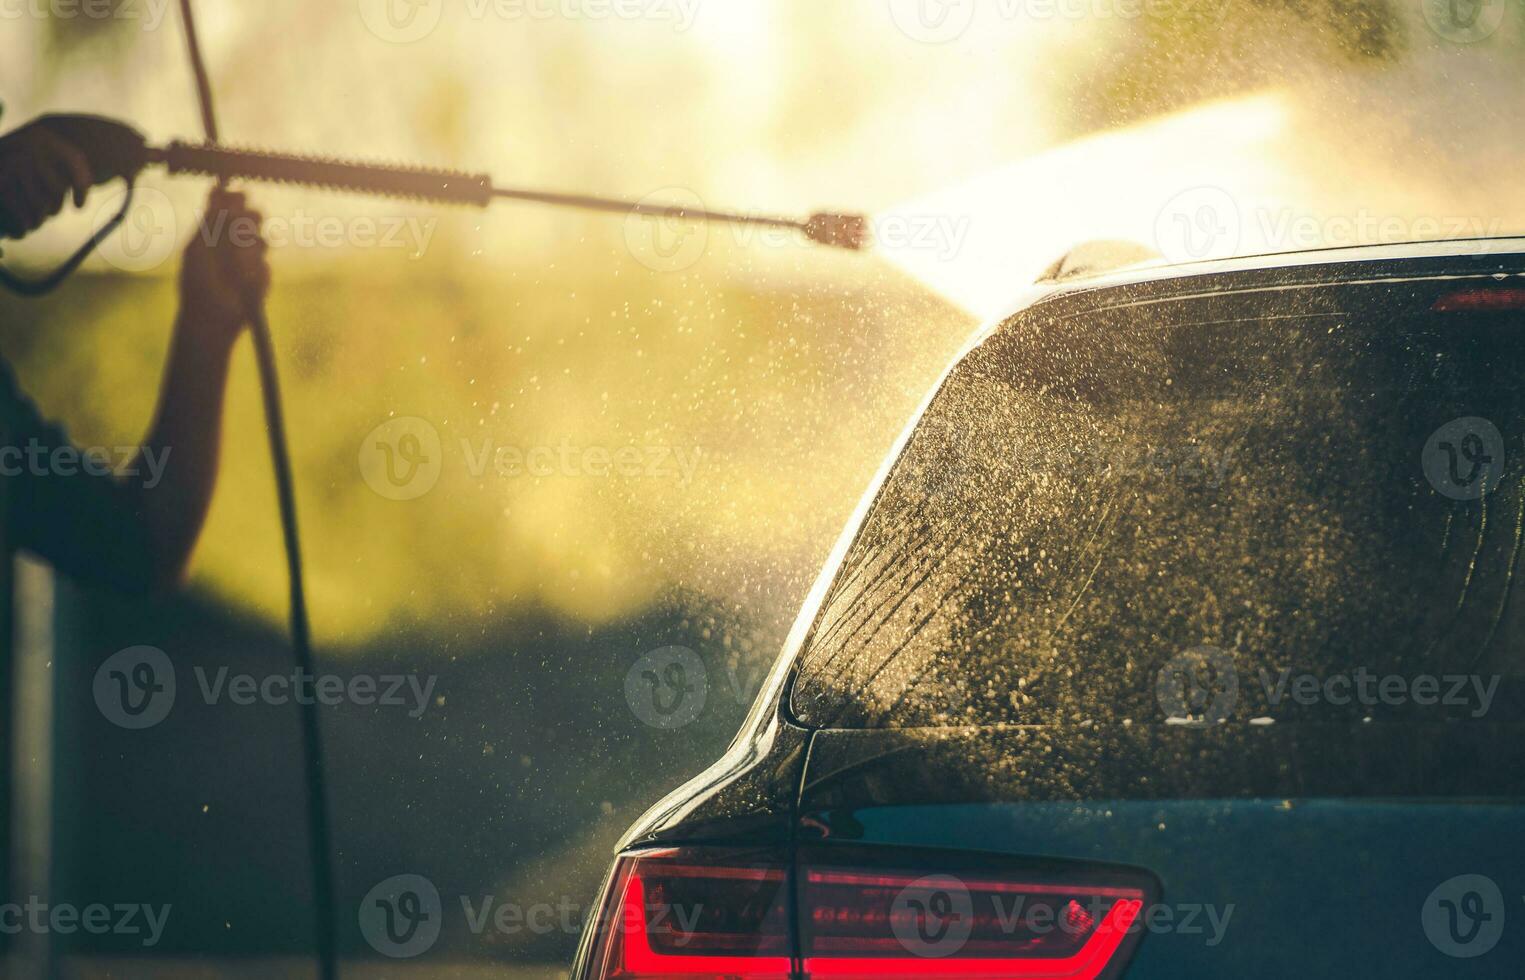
column 695, row 913
column 711, row 913
column 873, row 924
column 1487, row 300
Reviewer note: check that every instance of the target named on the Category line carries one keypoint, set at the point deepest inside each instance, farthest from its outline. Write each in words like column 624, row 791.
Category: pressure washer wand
column 459, row 187
column 116, row 150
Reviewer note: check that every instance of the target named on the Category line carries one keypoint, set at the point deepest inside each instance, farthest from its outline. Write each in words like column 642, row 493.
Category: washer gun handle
column 112, row 150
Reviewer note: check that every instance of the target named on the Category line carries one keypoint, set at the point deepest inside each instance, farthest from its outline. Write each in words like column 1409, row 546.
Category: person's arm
column 217, row 282
column 135, row 530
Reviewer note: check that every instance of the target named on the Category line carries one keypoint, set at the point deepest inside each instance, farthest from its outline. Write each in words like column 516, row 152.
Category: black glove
column 38, row 170
column 44, row 161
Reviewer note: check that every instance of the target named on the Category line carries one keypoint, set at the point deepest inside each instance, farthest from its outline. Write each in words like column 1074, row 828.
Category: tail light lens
column 1486, row 300
column 947, row 917
column 691, row 913
column 864, row 914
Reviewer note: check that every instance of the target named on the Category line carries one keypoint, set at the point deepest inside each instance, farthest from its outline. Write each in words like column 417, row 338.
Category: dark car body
column 1332, row 838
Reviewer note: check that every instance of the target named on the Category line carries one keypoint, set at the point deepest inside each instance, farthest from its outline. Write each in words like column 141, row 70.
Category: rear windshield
column 1269, row 506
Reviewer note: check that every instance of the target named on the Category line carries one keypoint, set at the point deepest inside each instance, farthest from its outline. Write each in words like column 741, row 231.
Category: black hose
column 319, row 835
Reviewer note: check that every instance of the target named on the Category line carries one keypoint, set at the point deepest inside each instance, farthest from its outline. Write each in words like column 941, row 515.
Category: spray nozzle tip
column 848, row 231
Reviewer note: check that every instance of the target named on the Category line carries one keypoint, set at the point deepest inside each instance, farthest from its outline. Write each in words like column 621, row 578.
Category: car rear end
column 1178, row 640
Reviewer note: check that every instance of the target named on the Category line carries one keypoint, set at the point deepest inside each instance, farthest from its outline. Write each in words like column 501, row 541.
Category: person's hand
column 226, row 271
column 38, row 170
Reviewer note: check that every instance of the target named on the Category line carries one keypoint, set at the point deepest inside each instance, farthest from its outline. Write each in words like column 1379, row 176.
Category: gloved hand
column 226, row 270
column 38, row 170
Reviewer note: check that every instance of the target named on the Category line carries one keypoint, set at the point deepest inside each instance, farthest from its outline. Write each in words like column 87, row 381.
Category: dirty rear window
column 1260, row 507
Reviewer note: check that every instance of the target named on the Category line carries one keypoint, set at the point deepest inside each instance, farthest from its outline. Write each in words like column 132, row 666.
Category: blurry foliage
column 1218, row 48
column 750, row 378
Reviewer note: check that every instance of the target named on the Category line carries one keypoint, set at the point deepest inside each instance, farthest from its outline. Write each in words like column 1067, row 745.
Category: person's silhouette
column 129, row 527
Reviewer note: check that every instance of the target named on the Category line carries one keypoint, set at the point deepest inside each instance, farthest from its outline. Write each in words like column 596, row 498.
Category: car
column 1176, row 638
